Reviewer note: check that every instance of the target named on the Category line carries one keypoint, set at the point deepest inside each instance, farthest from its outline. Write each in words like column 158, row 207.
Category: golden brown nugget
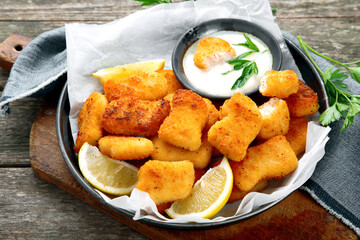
column 303, row 103
column 240, row 124
column 211, row 51
column 173, row 83
column 167, row 152
column 296, row 135
column 126, row 148
column 166, row 181
column 169, row 98
column 90, row 129
column 237, row 194
column 145, row 85
column 213, row 113
column 213, row 117
column 272, row 159
column 275, row 118
column 183, row 127
column 131, row 116
column 279, row 84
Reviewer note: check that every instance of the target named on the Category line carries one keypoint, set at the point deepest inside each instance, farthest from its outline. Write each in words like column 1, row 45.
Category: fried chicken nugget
column 172, row 83
column 213, row 117
column 279, row 84
column 167, row 152
column 131, row 116
column 276, row 118
column 304, row 102
column 272, row 159
column 296, row 135
column 166, row 181
column 126, row 148
column 90, row 129
column 211, row 51
column 240, row 124
column 237, row 194
column 213, row 113
column 169, row 98
column 188, row 116
column 142, row 84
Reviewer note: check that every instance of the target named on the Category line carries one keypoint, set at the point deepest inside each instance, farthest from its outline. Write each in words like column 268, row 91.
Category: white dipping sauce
column 212, row 81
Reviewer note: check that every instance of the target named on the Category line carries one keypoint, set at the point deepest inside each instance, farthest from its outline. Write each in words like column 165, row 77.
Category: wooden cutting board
column 296, row 217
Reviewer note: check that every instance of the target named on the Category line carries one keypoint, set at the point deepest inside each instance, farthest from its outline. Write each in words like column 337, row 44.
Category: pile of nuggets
column 175, row 133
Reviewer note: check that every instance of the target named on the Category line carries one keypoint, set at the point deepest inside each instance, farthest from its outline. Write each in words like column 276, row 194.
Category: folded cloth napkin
column 334, row 184
column 39, row 69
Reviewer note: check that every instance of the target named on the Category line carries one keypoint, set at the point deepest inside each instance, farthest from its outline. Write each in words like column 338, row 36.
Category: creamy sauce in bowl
column 213, row 81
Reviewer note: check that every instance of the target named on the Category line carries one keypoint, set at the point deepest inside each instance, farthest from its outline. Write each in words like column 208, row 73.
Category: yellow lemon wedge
column 208, row 196
column 126, row 70
column 106, row 174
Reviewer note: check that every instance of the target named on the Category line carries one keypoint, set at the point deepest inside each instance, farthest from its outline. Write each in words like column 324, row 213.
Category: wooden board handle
column 11, row 48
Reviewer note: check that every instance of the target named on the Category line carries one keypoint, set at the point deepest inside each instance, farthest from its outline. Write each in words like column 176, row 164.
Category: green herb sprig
column 150, row 2
column 239, row 63
column 249, row 44
column 342, row 103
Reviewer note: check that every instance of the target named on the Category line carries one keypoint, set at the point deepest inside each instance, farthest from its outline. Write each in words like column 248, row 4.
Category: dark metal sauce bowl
column 212, row 26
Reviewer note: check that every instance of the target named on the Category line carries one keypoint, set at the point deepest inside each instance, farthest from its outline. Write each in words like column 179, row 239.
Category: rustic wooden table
column 31, row 208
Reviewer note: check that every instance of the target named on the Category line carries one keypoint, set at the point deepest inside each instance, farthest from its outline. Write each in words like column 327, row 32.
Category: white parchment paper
column 152, row 34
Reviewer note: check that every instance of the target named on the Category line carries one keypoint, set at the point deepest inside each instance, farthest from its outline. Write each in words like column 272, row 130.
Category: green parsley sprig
column 342, row 103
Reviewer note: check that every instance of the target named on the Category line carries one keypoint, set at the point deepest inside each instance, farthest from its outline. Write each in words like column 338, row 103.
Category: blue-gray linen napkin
column 334, row 185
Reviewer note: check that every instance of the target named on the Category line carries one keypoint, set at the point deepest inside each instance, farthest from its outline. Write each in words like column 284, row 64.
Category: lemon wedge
column 106, row 174
column 208, row 195
column 125, row 70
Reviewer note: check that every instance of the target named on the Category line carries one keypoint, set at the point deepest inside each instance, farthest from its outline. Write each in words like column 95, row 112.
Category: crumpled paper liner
column 152, row 34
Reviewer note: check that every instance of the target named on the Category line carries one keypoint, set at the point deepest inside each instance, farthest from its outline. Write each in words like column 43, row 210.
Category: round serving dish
column 66, row 144
column 213, row 26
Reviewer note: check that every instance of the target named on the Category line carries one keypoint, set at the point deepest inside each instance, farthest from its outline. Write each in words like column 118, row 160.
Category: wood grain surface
column 31, row 208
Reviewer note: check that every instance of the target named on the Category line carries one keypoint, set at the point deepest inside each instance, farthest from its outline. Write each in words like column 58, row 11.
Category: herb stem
column 358, row 61
column 323, row 56
column 340, row 91
column 305, row 47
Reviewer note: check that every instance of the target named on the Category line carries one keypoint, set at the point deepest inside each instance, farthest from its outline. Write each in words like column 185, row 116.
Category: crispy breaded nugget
column 172, row 83
column 183, row 127
column 213, row 117
column 272, row 159
column 296, row 135
column 169, row 98
column 131, row 116
column 213, row 113
column 241, row 122
column 276, row 118
column 126, row 148
column 279, row 84
column 167, row 152
column 142, row 84
column 237, row 194
column 211, row 51
column 303, row 103
column 166, row 181
column 90, row 129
